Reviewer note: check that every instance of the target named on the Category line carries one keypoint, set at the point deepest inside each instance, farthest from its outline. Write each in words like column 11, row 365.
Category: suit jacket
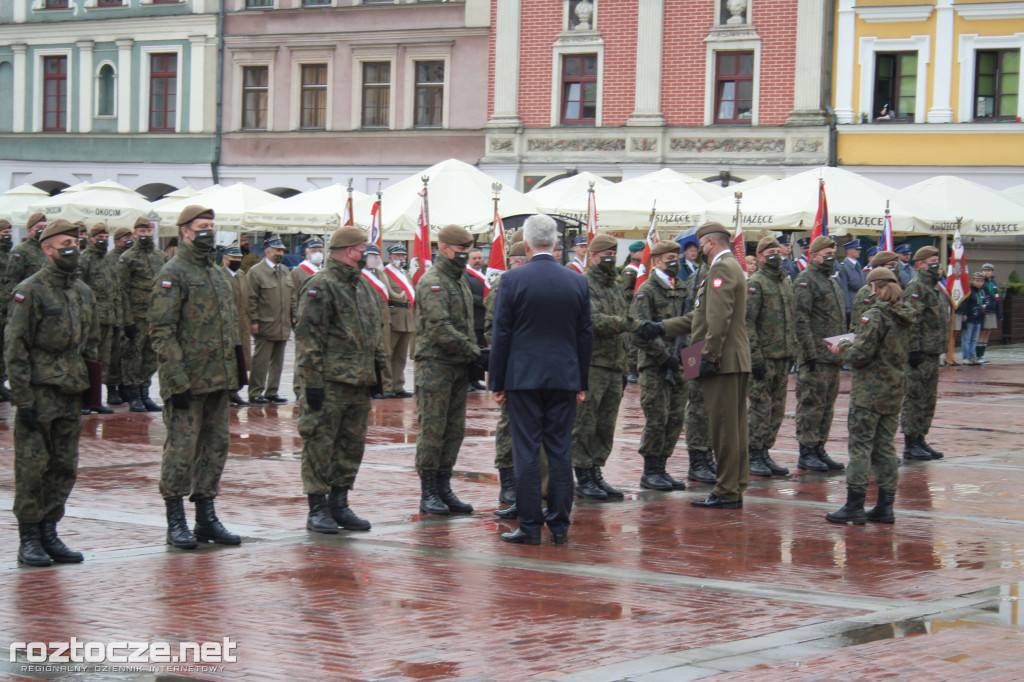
column 476, row 287
column 542, row 335
column 851, row 278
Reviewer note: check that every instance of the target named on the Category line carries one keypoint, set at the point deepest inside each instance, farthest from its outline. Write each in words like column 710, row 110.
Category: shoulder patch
column 867, row 300
column 803, row 284
column 716, row 283
column 435, row 287
column 16, row 255
column 865, row 318
column 120, row 260
column 752, row 290
column 312, row 292
column 18, row 296
column 915, row 296
column 166, row 284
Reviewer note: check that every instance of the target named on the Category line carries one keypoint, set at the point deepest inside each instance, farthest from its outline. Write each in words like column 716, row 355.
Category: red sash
column 307, row 268
column 479, row 275
column 403, row 284
column 376, row 284
column 575, row 266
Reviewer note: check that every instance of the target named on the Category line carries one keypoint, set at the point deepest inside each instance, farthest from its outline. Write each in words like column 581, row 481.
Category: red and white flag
column 957, row 282
column 645, row 262
column 497, row 263
column 346, row 217
column 591, row 216
column 886, row 243
column 421, row 260
column 739, row 247
column 374, row 235
column 821, row 219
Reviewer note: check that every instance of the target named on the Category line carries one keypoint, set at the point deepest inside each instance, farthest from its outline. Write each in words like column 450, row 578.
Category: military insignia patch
column 19, row 297
column 803, row 284
column 639, row 296
column 312, row 292
column 867, row 300
column 716, row 283
column 435, row 287
column 865, row 319
column 915, row 296
column 166, row 284
column 752, row 290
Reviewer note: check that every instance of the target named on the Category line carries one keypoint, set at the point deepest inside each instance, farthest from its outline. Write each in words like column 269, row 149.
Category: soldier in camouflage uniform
column 5, row 256
column 703, row 468
column 864, row 298
column 339, row 347
column 136, row 269
column 112, row 376
column 26, row 258
column 630, row 273
column 927, row 343
column 820, row 313
column 662, row 389
column 193, row 325
column 771, row 329
column 103, row 282
column 594, row 426
column 51, row 335
column 446, row 349
column 877, row 356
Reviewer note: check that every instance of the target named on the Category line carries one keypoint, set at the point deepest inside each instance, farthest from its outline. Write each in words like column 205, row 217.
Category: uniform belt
column 398, row 305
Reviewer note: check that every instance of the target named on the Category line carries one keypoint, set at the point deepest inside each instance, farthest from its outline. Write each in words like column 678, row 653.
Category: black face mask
column 607, row 265
column 83, row 243
column 6, row 240
column 828, row 264
column 128, row 243
column 279, row 258
column 203, row 241
column 101, row 245
column 245, row 250
column 234, row 265
column 361, row 263
column 774, row 261
column 67, row 259
column 461, row 258
column 671, row 269
column 933, row 268
column 145, row 242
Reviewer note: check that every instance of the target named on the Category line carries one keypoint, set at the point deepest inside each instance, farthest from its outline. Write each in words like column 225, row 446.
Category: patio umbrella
column 1015, row 194
column 568, row 195
column 14, row 202
column 985, row 211
column 679, row 201
column 111, row 202
column 752, row 183
column 229, row 205
column 319, row 210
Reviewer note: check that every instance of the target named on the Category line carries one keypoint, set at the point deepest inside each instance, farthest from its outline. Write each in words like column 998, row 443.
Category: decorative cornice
column 880, row 15
column 991, row 10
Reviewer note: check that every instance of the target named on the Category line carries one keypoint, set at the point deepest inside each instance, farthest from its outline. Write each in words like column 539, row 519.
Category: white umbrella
column 319, row 210
column 113, row 203
column 856, row 205
column 13, row 203
column 568, row 195
column 183, row 193
column 1015, row 194
column 229, row 206
column 459, row 194
column 752, row 183
column 679, row 201
column 985, row 211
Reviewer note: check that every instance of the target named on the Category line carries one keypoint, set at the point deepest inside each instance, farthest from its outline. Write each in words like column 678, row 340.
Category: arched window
column 106, row 82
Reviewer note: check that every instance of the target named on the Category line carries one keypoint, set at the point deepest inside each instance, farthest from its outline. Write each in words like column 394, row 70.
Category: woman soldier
column 877, row 356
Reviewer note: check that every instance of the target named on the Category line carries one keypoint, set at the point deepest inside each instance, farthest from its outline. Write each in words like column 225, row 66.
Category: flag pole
column 950, row 356
column 426, row 204
column 380, row 220
column 496, row 188
column 738, row 243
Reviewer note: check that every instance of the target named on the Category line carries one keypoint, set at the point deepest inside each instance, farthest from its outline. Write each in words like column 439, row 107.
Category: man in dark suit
column 540, row 352
column 850, row 275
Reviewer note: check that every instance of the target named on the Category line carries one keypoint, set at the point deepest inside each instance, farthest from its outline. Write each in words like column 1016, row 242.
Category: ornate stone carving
column 644, row 144
column 576, row 145
column 737, row 10
column 728, row 144
column 501, row 144
column 584, row 12
column 807, row 144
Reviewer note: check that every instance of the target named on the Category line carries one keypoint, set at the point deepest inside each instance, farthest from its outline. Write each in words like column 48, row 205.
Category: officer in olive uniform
column 927, row 343
column 594, row 427
column 771, row 330
column 103, row 283
column 662, row 389
column 864, row 298
column 232, row 262
column 401, row 299
column 51, row 334
column 136, row 269
column 446, row 350
column 272, row 313
column 194, row 329
column 112, row 373
column 339, row 348
column 5, row 256
column 820, row 313
column 877, row 356
column 373, row 273
column 630, row 272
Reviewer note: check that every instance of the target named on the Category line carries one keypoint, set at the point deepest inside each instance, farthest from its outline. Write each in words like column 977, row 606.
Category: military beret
column 872, row 251
column 664, row 246
column 925, row 252
column 803, row 242
column 581, row 241
column 517, row 236
column 767, row 243
column 121, row 232
column 347, row 236
column 191, row 212
column 783, row 239
column 143, row 221
column 636, row 246
column 397, row 248
column 4, row 224
column 884, row 274
column 57, row 227
column 372, row 248
column 273, row 243
column 988, row 266
column 854, row 244
column 33, row 219
column 883, row 257
column 455, row 235
column 518, row 249
column 232, row 252
column 313, row 243
column 903, row 248
column 603, row 242
column 80, row 224
column 98, row 228
column 820, row 243
column 711, row 228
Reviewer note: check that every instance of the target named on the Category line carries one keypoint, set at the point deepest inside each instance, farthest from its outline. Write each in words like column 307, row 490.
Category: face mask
column 933, row 268
column 101, row 245
column 6, row 240
column 203, row 241
column 398, row 263
column 774, row 261
column 361, row 263
column 67, row 259
column 83, row 243
column 671, row 269
column 145, row 242
column 245, row 250
column 316, row 258
column 460, row 259
column 128, row 243
column 828, row 264
column 234, row 265
column 607, row 265
column 279, row 258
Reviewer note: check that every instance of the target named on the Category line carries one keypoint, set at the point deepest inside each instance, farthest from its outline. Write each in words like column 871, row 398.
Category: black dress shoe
column 519, row 537
column 276, row 399
column 713, row 501
column 403, row 394
column 509, row 512
column 559, row 538
column 259, row 400
column 377, row 396
column 389, row 394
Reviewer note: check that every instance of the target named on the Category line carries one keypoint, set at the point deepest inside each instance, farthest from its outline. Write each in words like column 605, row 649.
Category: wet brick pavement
column 648, row 589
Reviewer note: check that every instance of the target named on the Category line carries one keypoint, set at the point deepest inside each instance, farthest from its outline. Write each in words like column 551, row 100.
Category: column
column 196, row 87
column 86, row 83
column 506, row 66
column 845, row 60
column 942, row 109
column 647, row 93
column 124, row 85
column 21, row 11
column 807, row 67
column 20, row 64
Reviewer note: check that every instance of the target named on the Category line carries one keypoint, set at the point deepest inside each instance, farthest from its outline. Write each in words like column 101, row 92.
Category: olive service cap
column 33, row 219
column 820, row 243
column 665, row 246
column 925, row 252
column 711, row 228
column 57, row 227
column 518, row 249
column 636, row 246
column 884, row 274
column 767, row 243
column 977, row 275
column 347, row 236
column 191, row 212
column 121, row 232
column 455, row 235
column 883, row 257
column 98, row 228
column 143, row 221
column 603, row 242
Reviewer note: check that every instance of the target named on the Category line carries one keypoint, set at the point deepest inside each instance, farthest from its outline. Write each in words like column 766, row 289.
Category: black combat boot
column 852, row 511
column 147, row 402
column 758, row 467
column 30, row 551
column 912, row 449
column 444, row 491
column 430, row 501
column 611, row 492
column 675, row 482
column 178, row 534
column 700, row 469
column 99, row 409
column 507, row 479
column 342, row 514
column 633, row 377
column 208, row 528
column 809, row 459
column 829, row 462
column 134, row 395
column 56, row 548
column 929, row 449
column 653, row 477
column 114, row 395
column 773, row 466
column 319, row 518
column 882, row 511
column 586, row 487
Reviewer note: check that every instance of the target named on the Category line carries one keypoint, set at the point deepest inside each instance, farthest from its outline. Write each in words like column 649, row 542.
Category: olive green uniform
column 51, row 332
column 23, row 261
column 862, row 300
column 929, row 336
column 136, row 269
column 112, row 372
column 100, row 274
column 445, row 350
column 272, row 306
column 5, row 257
column 695, row 421
column 194, row 330
column 338, row 344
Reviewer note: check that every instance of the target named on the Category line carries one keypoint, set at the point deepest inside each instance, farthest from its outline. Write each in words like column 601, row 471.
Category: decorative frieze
column 644, row 144
column 576, row 145
column 808, row 144
column 502, row 145
column 727, row 144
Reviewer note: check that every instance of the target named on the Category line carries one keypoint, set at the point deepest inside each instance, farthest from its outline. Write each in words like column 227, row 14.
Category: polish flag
column 739, row 248
column 821, row 219
column 886, row 243
column 498, row 261
column 645, row 262
column 374, row 236
column 957, row 282
column 420, row 261
column 346, row 217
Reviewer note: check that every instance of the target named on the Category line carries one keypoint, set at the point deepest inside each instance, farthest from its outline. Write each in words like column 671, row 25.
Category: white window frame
column 239, row 86
column 867, row 58
column 309, row 56
column 37, row 95
column 426, row 54
column 145, row 53
column 360, row 55
column 711, row 59
column 96, row 90
column 560, row 51
column 302, row 5
column 970, row 43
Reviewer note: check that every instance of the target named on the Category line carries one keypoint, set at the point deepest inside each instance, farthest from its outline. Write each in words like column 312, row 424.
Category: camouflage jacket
column 820, row 313
column 612, row 324
column 489, row 302
column 931, row 332
column 193, row 324
column 5, row 257
column 627, row 280
column 878, row 355
column 100, row 273
column 771, row 316
column 861, row 302
column 656, row 301
column 26, row 259
column 339, row 337
column 444, row 316
column 135, row 272
column 51, row 332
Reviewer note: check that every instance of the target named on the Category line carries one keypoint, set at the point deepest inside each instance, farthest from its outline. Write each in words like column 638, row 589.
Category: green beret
column 925, row 252
column 603, row 242
column 347, row 236
column 33, row 219
column 767, row 243
column 190, row 213
column 455, row 235
column 58, row 227
column 636, row 246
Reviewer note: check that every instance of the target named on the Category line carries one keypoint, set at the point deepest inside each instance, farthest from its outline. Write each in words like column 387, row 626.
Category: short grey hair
column 540, row 232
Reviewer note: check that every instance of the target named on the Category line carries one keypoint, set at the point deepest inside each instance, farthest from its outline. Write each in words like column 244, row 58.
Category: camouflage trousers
column 109, row 342
column 698, row 433
column 920, row 391
column 503, row 441
column 333, row 438
column 871, row 448
column 767, row 406
column 196, row 447
column 441, row 403
column 663, row 405
column 815, row 402
column 138, row 359
column 594, row 428
column 46, row 460
column 3, row 364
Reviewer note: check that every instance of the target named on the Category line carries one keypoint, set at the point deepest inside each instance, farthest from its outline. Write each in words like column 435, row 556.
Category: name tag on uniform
column 716, row 283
